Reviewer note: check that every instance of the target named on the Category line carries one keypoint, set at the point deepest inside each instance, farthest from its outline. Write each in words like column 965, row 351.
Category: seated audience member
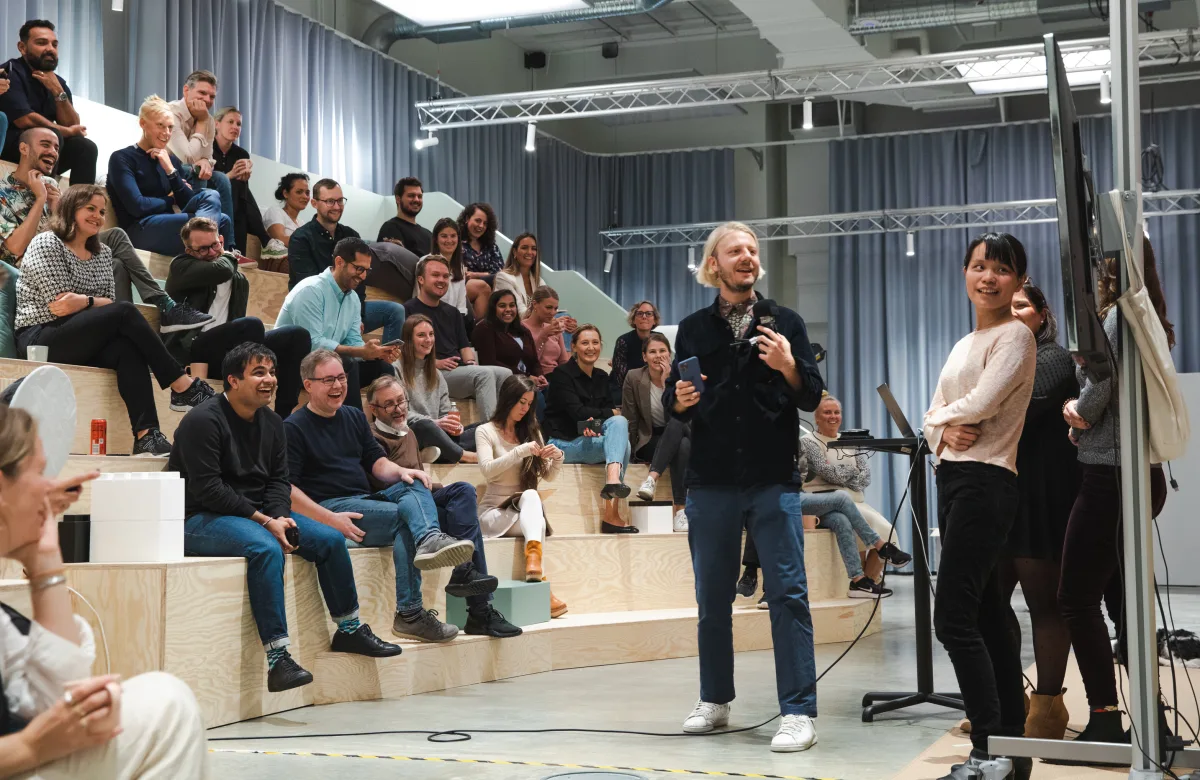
column 502, row 340
column 403, row 229
column 311, row 252
column 233, row 456
column 656, row 437
column 547, row 324
column 234, row 162
column 332, row 459
column 456, row 357
column 578, row 395
column 394, row 271
column 477, row 228
column 523, row 272
column 56, row 719
column 446, row 244
column 293, row 195
column 28, row 197
column 456, row 503
column 629, row 351
column 431, row 415
column 209, row 279
column 38, row 97
column 147, row 186
column 65, row 302
column 514, row 459
column 326, row 306
column 193, row 137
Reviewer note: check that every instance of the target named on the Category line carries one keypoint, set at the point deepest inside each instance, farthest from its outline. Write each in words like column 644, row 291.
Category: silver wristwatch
column 63, row 97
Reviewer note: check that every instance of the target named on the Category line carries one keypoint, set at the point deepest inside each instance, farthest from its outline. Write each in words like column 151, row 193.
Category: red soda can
column 99, row 437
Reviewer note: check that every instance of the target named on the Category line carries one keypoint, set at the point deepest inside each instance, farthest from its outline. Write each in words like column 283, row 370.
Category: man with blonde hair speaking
column 757, row 369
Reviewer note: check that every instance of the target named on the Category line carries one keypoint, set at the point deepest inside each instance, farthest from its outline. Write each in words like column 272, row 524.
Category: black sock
column 409, row 615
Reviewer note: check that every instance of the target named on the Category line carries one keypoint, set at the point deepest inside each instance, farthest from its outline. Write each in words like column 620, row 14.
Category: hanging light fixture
column 426, row 142
column 531, row 137
column 910, row 241
column 1105, row 88
column 808, row 106
column 691, row 258
column 608, row 258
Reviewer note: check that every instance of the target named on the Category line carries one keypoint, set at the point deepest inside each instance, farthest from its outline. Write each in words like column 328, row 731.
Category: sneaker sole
column 762, row 605
column 151, row 455
column 645, row 495
column 177, row 328
column 706, row 729
column 622, row 491
column 459, row 552
column 792, row 748
column 183, row 407
column 493, row 634
column 476, row 588
column 424, row 639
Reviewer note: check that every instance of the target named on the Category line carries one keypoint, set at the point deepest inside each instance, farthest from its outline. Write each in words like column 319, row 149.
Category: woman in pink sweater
column 973, row 426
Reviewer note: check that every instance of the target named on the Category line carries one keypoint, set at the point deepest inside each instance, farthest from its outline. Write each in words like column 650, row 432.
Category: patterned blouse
column 50, row 268
column 486, row 261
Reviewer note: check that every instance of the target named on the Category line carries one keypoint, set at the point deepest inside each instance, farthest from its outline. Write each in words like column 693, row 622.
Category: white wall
column 1177, row 523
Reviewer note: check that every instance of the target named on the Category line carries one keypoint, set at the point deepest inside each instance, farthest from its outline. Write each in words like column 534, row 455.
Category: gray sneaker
column 425, row 628
column 439, row 550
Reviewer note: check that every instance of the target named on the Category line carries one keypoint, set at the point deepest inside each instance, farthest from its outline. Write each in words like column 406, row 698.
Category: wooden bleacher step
column 267, row 290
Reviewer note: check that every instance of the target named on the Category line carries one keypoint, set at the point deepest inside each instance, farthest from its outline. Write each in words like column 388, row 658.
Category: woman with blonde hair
column 146, row 187
column 628, row 351
column 57, row 720
column 523, row 272
column 431, row 415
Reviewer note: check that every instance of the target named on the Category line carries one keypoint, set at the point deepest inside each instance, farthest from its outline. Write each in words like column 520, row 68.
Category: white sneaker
column 706, row 717
column 646, row 491
column 430, row 455
column 681, row 523
column 796, row 733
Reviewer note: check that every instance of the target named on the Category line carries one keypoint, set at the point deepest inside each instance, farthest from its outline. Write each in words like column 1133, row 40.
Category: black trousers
column 76, row 154
column 115, row 336
column 290, row 344
column 429, row 434
column 977, row 505
column 361, row 373
column 247, row 219
column 670, row 446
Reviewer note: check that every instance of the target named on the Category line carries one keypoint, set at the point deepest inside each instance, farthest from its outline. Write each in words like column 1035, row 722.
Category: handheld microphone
column 764, row 314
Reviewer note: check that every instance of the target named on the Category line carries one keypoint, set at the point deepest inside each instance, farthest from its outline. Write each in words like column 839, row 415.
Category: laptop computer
column 894, row 410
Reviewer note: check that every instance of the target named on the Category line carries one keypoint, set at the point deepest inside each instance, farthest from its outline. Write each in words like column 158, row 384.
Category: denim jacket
column 746, row 427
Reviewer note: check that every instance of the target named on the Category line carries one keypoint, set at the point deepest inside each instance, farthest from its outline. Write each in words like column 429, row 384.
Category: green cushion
column 523, row 603
column 8, row 311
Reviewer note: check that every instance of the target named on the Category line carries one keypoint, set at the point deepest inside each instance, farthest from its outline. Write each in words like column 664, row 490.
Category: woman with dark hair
column 628, row 351
column 973, row 427
column 523, row 272
column 656, row 437
column 1048, row 480
column 431, row 415
column 502, row 340
column 293, row 195
column 65, row 302
column 447, row 244
column 514, row 458
column 1092, row 550
column 477, row 226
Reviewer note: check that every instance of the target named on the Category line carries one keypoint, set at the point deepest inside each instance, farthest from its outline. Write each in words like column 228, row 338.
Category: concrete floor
column 653, row 696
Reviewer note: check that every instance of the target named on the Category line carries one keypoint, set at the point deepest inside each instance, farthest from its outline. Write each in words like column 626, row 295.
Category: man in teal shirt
column 327, row 307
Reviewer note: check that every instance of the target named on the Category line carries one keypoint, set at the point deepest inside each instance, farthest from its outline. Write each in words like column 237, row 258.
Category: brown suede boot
column 533, row 561
column 1047, row 718
column 558, row 607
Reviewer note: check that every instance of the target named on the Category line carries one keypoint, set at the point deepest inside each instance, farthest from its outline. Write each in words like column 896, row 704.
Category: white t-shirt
column 658, row 418
column 275, row 215
column 456, row 296
column 220, row 306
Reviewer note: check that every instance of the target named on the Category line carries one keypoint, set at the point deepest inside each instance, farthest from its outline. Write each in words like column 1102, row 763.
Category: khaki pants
column 163, row 738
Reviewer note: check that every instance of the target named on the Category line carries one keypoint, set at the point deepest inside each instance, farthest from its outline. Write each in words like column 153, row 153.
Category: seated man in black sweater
column 231, row 452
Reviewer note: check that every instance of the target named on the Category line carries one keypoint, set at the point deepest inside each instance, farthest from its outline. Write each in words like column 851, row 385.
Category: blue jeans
column 772, row 517
column 388, row 315
column 210, row 534
column 458, row 514
column 839, row 514
column 220, row 184
column 401, row 515
column 160, row 232
column 611, row 446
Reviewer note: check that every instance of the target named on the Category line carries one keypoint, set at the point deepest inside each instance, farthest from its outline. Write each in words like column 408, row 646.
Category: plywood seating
column 376, row 294
column 96, row 397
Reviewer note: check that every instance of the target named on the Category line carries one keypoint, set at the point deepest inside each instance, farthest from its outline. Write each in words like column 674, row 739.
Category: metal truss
column 984, row 215
column 1155, row 49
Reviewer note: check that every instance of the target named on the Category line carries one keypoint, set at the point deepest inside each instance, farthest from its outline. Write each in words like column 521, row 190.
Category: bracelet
column 42, row 583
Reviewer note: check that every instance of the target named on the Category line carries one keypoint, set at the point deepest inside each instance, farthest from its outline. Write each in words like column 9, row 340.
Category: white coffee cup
column 38, row 354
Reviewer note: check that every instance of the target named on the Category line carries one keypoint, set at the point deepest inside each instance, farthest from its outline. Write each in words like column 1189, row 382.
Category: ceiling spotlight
column 608, row 258
column 808, row 125
column 691, row 258
column 911, row 242
column 118, row 5
column 1105, row 88
column 426, row 142
column 531, row 137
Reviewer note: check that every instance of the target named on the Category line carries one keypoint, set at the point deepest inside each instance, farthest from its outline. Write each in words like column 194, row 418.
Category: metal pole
column 1135, row 493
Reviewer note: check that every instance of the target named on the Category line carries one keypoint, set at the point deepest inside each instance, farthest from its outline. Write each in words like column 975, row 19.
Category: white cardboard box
column 137, row 496
column 133, row 541
column 653, row 518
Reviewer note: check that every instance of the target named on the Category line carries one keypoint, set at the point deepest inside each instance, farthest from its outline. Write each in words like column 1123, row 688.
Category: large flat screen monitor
column 1077, row 237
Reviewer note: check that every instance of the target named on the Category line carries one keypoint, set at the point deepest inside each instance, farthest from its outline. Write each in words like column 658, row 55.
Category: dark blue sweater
column 330, row 457
column 138, row 187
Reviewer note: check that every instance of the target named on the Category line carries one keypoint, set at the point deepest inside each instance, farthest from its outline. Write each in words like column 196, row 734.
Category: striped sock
column 275, row 655
column 349, row 625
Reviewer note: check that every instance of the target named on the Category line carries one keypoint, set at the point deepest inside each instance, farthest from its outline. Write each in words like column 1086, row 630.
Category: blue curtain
column 80, row 43
column 318, row 100
column 895, row 318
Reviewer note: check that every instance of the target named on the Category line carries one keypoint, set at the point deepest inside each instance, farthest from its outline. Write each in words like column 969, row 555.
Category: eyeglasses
column 330, row 381
column 391, row 406
column 208, row 250
column 644, row 314
column 359, row 270
column 331, row 201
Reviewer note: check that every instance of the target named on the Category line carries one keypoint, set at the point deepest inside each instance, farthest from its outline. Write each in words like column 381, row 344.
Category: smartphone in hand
column 689, row 371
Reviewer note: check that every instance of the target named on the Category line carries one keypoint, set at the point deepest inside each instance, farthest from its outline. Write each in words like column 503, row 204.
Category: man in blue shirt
column 325, row 305
column 37, row 97
column 331, row 452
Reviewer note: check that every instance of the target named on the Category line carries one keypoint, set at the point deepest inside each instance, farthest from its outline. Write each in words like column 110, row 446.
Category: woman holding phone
column 547, row 325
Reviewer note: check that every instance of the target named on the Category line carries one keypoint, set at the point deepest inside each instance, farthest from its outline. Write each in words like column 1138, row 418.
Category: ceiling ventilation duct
column 947, row 14
column 391, row 27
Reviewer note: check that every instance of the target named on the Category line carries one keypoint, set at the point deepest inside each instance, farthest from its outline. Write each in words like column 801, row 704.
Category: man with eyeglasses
column 311, row 251
column 332, row 462
column 325, row 305
column 208, row 279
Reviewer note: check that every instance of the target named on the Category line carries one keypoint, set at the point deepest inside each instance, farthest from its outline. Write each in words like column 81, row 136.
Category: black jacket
column 746, row 428
column 194, row 281
column 573, row 397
